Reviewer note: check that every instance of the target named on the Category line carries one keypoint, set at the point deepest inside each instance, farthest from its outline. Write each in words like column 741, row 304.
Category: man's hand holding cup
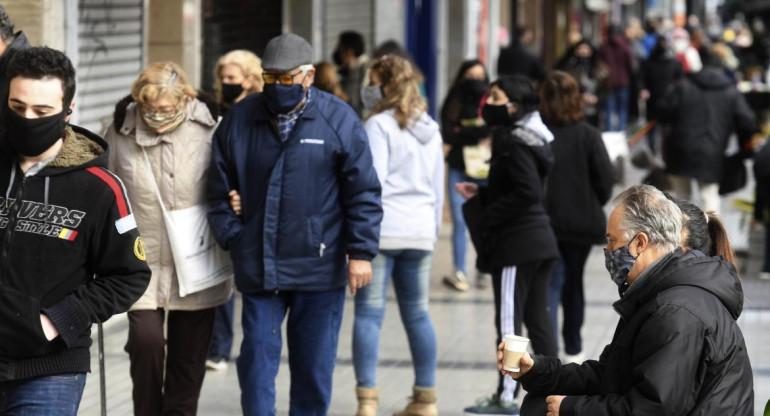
column 514, row 360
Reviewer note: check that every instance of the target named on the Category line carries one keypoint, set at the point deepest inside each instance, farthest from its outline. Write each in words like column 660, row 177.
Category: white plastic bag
column 200, row 263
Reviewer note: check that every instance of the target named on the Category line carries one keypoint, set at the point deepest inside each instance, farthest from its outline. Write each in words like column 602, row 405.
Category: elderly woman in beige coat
column 165, row 117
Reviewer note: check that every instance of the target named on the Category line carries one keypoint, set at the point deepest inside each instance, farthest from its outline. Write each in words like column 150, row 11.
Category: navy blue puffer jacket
column 306, row 202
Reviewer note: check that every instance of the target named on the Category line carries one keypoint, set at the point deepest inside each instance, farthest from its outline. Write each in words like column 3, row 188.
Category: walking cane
column 102, row 380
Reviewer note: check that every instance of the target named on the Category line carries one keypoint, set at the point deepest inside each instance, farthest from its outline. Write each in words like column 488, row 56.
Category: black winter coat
column 579, row 184
column 704, row 109
column 677, row 349
column 512, row 227
column 658, row 74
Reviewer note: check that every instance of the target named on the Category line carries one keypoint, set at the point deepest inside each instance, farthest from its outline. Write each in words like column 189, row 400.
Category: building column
column 174, row 34
column 41, row 20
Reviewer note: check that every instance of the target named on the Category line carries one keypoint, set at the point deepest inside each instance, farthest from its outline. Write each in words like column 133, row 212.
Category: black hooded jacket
column 507, row 219
column 69, row 249
column 704, row 109
column 677, row 349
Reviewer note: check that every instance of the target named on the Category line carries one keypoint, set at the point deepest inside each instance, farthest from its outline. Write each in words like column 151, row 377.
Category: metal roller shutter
column 110, row 56
column 343, row 15
column 236, row 24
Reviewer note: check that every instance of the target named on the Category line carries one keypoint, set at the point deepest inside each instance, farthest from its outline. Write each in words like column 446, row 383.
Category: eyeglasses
column 165, row 111
column 285, row 79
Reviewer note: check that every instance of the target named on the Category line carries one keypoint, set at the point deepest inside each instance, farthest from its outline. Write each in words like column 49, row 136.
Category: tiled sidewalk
column 465, row 335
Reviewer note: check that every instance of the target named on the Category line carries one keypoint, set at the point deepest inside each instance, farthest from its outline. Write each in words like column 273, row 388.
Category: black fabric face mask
column 33, row 136
column 496, row 115
column 230, row 92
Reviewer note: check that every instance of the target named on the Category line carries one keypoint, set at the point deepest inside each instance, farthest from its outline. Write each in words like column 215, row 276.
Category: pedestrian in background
column 74, row 266
column 659, row 72
column 165, row 123
column 514, row 236
column 579, row 185
column 695, row 149
column 408, row 156
column 238, row 73
column 616, row 53
column 462, row 126
column 582, row 62
column 327, row 79
column 351, row 64
column 309, row 223
column 518, row 59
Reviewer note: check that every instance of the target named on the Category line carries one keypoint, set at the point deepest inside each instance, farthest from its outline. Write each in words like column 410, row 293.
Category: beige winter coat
column 180, row 162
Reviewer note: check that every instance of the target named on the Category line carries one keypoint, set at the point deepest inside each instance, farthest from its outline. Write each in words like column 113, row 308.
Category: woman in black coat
column 579, row 184
column 462, row 126
column 508, row 221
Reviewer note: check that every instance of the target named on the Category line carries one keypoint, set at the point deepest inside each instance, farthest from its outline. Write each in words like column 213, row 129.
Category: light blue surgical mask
column 619, row 262
column 371, row 95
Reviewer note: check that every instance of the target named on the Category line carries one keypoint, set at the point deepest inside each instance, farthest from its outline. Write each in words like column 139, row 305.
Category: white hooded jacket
column 410, row 166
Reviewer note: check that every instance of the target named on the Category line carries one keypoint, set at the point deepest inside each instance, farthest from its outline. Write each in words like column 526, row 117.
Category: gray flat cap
column 286, row 52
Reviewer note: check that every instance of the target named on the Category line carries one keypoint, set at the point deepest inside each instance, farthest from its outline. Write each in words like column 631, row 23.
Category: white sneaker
column 217, row 364
column 764, row 275
column 457, row 281
column 577, row 358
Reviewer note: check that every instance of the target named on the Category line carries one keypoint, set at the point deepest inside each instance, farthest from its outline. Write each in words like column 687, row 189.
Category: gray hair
column 646, row 209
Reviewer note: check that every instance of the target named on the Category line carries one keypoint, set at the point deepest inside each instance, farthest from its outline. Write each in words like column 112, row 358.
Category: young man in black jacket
column 677, row 349
column 70, row 252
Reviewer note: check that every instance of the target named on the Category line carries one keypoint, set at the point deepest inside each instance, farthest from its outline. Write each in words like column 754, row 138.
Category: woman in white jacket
column 407, row 151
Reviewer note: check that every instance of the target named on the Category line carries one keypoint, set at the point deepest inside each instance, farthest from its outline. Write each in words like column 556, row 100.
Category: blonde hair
column 398, row 76
column 250, row 65
column 161, row 78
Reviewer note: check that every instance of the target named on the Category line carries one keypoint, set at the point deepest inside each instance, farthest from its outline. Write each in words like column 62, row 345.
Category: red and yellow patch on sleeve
column 67, row 234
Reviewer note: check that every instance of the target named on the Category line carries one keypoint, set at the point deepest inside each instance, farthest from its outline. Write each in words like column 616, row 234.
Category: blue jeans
column 56, row 395
column 222, row 337
column 456, row 201
column 617, row 103
column 410, row 270
column 312, row 332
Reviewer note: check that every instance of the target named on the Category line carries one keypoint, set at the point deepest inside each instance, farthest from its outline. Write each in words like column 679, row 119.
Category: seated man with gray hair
column 677, row 349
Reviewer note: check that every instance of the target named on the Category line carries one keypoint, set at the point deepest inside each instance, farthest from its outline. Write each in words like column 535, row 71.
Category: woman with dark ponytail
column 703, row 232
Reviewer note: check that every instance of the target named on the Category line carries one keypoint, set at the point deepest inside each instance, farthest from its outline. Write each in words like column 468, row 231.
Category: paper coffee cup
column 515, row 346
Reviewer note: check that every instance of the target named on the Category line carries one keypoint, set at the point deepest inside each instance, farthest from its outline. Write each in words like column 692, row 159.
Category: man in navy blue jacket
column 299, row 161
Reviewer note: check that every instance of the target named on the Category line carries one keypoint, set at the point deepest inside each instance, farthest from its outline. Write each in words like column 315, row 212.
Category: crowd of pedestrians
column 317, row 177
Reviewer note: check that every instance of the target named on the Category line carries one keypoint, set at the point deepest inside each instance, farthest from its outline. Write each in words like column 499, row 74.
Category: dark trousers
column 567, row 287
column 222, row 338
column 184, row 353
column 533, row 406
column 530, row 306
